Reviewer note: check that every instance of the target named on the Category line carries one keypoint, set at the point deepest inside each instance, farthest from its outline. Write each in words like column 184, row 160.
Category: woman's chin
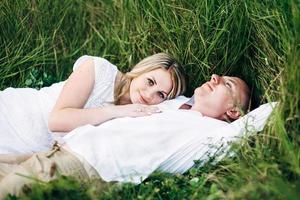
column 134, row 101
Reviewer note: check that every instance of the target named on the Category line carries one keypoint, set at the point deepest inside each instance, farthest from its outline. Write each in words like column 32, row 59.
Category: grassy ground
column 256, row 40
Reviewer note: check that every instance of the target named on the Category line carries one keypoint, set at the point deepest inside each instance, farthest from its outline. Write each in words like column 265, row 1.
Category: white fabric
column 130, row 149
column 173, row 104
column 217, row 142
column 24, row 111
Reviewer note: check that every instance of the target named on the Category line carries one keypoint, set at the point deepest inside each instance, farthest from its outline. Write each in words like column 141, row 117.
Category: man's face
column 220, row 96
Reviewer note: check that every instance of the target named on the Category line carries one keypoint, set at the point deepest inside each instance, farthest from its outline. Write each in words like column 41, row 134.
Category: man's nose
column 215, row 79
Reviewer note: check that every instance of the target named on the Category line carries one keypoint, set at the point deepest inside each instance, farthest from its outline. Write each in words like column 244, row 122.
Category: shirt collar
column 190, row 102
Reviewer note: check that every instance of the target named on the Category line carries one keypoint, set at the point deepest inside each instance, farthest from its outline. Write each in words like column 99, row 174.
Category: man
column 130, row 149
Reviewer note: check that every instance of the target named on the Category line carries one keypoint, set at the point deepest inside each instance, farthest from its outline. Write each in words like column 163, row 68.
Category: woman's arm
column 14, row 159
column 68, row 112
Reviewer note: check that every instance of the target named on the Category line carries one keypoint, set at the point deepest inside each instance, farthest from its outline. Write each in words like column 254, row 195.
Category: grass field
column 254, row 39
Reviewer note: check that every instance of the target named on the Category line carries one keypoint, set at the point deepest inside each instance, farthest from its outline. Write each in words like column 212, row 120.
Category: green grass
column 256, row 40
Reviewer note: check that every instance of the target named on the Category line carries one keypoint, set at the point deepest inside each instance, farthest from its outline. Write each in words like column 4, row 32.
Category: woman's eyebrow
column 164, row 93
column 153, row 79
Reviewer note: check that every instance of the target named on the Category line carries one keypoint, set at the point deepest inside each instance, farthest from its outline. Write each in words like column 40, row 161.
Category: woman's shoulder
column 99, row 62
column 105, row 75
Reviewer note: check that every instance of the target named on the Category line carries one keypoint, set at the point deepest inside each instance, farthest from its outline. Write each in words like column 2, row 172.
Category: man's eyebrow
column 235, row 91
column 233, row 82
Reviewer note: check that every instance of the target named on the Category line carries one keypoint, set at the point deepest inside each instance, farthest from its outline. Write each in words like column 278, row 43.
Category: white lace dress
column 24, row 112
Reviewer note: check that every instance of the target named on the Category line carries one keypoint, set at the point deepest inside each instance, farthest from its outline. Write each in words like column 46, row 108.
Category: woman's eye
column 161, row 95
column 150, row 82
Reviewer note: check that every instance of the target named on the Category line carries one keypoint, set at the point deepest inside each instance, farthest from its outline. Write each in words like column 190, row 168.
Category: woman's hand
column 134, row 110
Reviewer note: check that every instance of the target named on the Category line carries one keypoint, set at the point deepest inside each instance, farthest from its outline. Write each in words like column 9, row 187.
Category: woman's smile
column 142, row 99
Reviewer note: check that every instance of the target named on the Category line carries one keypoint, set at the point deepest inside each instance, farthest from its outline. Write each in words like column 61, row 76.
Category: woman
column 94, row 93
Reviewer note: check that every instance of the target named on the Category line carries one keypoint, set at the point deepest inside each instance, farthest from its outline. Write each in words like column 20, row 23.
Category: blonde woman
column 95, row 92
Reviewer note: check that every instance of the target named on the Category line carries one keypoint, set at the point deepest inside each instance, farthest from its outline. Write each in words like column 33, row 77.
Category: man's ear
column 233, row 113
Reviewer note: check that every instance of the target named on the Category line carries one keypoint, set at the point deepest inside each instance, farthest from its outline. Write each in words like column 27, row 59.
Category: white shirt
column 24, row 112
column 130, row 149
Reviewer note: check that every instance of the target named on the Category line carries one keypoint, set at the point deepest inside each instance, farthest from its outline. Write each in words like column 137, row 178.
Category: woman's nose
column 215, row 78
column 149, row 96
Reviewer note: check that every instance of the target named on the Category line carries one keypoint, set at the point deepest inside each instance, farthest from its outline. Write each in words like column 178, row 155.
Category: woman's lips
column 142, row 100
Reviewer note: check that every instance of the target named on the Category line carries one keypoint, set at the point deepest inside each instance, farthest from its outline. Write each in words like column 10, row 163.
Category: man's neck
column 188, row 105
column 185, row 106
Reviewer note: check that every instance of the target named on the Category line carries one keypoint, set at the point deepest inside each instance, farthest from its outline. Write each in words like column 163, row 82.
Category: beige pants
column 45, row 166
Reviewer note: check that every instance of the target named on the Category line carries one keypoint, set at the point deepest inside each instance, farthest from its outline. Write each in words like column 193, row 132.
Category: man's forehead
column 231, row 77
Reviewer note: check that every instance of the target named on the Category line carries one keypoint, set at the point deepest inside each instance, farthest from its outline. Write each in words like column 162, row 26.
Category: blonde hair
column 156, row 61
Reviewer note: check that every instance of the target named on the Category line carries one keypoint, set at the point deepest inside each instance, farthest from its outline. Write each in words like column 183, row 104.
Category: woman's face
column 151, row 87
